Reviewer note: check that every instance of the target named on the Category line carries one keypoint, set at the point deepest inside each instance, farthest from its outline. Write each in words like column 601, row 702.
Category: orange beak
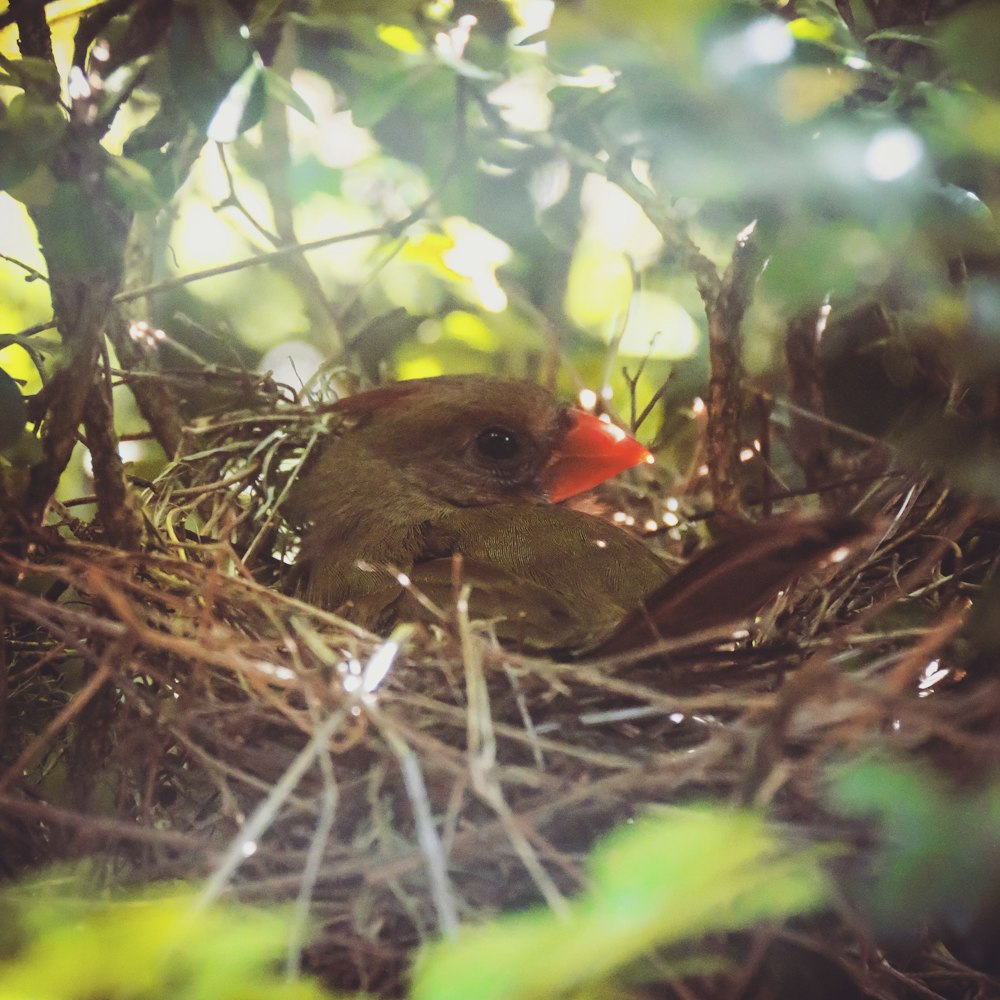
column 591, row 452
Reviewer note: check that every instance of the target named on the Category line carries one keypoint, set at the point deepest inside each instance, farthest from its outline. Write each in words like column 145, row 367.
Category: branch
column 725, row 388
column 276, row 176
column 116, row 505
column 81, row 288
column 33, row 36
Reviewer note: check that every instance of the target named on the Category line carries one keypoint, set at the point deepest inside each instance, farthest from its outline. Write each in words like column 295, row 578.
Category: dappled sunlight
column 24, row 299
column 702, row 506
column 766, row 41
column 658, row 327
column 893, row 153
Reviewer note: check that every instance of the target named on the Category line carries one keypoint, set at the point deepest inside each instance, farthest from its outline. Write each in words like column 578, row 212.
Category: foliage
column 59, row 942
column 516, row 195
column 662, row 882
column 654, row 885
column 917, row 876
column 213, row 207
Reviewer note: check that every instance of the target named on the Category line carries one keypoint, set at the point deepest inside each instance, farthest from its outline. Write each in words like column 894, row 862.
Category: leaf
column 936, row 857
column 28, row 133
column 372, row 104
column 132, row 185
column 970, row 41
column 82, row 239
column 400, row 38
column 208, row 53
column 36, row 188
column 656, row 883
column 241, row 108
column 58, row 944
column 36, row 77
column 283, row 92
column 25, row 452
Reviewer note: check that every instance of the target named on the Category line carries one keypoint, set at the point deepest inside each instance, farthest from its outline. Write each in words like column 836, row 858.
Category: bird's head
column 470, row 440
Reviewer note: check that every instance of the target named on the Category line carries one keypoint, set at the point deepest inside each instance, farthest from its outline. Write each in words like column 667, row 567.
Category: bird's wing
column 733, row 579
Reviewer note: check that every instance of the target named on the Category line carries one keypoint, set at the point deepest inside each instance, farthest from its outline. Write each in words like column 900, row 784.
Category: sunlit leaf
column 469, row 329
column 659, row 882
column 37, row 77
column 811, row 29
column 424, row 366
column 657, row 327
column 398, row 37
column 209, row 52
column 467, row 255
column 59, row 945
column 283, row 92
column 804, row 91
column 599, row 286
column 29, row 131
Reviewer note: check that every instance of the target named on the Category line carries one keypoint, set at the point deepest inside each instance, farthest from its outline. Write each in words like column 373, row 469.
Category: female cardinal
column 476, row 466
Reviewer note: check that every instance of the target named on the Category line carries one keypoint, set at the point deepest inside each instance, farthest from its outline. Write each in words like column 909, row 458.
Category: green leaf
column 25, row 451
column 36, row 77
column 970, row 41
column 36, row 189
column 61, row 945
column 936, row 859
column 208, row 54
column 656, row 883
column 28, row 133
column 370, row 106
column 81, row 238
column 132, row 185
column 283, row 92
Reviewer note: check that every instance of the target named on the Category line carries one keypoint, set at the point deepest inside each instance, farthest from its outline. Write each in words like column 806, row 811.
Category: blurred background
column 539, row 189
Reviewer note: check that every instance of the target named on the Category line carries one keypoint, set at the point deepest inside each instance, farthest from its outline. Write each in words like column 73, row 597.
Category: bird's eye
column 498, row 444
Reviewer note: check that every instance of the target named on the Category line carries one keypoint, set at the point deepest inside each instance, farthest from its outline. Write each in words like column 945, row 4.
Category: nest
column 173, row 713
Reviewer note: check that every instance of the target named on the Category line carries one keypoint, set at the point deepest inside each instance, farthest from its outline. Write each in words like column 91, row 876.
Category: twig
column 725, row 312
column 298, row 926
column 442, row 893
column 69, row 712
column 482, row 761
column 245, row 844
column 33, row 273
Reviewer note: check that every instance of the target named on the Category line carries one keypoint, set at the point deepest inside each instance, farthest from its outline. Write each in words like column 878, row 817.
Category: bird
column 431, row 484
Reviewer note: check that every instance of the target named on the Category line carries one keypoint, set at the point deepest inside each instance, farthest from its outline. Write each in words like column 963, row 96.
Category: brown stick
column 725, row 312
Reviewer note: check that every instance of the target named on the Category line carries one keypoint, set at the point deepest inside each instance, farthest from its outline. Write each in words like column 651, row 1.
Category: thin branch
column 245, row 844
column 391, row 229
column 33, row 274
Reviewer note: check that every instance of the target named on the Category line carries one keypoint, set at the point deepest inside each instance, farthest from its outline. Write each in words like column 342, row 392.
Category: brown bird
column 476, row 466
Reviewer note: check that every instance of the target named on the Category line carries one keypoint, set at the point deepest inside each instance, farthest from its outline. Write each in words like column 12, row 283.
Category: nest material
column 170, row 713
